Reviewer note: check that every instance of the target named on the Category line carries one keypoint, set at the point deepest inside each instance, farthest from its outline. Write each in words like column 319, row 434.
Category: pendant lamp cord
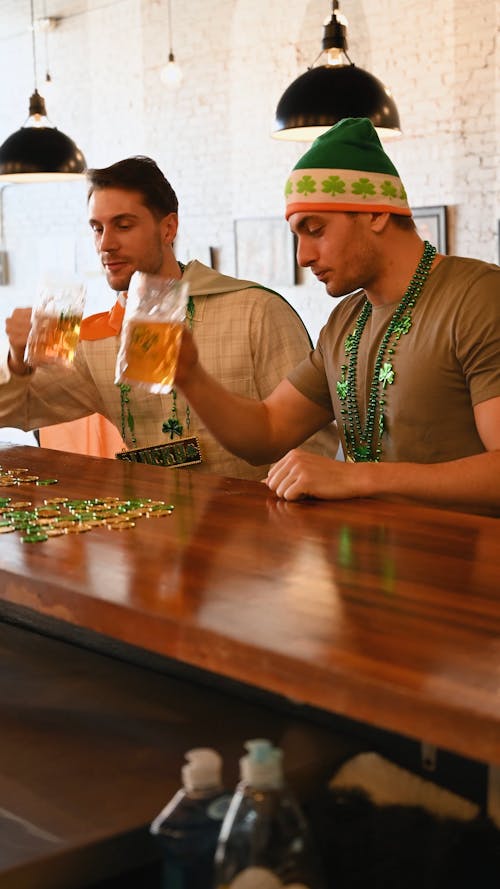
column 169, row 9
column 48, row 78
column 35, row 73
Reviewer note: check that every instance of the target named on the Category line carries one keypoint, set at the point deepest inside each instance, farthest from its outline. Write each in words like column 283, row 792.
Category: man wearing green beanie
column 408, row 364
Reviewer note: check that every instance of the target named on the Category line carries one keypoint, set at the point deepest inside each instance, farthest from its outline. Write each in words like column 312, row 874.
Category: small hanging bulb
column 45, row 26
column 171, row 74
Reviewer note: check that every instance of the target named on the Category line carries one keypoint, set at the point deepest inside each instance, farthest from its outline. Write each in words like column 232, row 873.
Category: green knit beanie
column 346, row 169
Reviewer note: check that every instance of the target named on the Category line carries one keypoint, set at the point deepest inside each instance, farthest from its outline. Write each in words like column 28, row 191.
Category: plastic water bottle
column 264, row 841
column 189, row 825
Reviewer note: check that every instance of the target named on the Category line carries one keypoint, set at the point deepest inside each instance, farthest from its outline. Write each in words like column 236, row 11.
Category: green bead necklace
column 361, row 444
column 172, row 426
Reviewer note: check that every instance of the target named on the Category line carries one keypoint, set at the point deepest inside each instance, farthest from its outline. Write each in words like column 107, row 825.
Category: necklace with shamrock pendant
column 364, row 443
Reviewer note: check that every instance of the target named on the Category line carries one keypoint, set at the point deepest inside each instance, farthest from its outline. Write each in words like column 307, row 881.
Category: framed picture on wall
column 431, row 225
column 265, row 251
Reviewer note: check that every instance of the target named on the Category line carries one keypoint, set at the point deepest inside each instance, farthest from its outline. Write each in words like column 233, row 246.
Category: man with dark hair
column 137, row 174
column 247, row 335
column 408, row 363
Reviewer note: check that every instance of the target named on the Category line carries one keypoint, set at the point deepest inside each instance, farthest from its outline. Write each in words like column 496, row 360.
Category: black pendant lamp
column 322, row 96
column 38, row 151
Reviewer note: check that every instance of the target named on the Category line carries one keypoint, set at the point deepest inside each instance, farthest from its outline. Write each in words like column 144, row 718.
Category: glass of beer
column 55, row 321
column 151, row 332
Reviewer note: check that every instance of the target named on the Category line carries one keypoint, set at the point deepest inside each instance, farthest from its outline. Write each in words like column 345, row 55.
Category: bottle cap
column 258, row 878
column 261, row 767
column 202, row 770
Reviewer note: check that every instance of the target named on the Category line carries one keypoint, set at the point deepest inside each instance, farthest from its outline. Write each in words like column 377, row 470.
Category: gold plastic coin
column 78, row 528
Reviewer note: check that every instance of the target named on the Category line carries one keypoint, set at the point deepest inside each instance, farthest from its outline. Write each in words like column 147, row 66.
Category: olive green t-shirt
column 448, row 362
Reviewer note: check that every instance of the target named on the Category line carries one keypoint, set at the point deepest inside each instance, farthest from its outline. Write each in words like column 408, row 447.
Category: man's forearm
column 240, row 424
column 470, row 481
column 13, row 396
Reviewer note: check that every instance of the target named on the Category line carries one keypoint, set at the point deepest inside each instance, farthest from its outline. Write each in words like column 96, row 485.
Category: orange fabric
column 94, row 435
column 104, row 324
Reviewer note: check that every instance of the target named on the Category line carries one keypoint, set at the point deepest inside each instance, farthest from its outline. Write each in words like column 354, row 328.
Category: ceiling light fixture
column 38, row 151
column 171, row 74
column 322, row 96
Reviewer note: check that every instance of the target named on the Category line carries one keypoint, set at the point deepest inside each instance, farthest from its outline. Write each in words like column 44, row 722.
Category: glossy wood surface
column 382, row 612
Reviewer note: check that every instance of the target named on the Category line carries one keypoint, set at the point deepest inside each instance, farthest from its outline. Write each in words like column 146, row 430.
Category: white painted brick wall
column 212, row 137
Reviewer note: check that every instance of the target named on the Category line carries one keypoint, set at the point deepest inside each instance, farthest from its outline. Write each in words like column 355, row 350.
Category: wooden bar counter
column 381, row 613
